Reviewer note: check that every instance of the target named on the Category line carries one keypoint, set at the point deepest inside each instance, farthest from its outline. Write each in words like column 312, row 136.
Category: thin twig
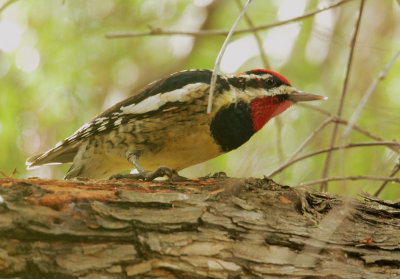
column 221, row 53
column 304, row 105
column 330, row 149
column 6, row 4
column 360, row 177
column 256, row 37
column 11, row 174
column 332, row 118
column 308, row 139
column 340, row 120
column 364, row 100
column 359, row 129
column 159, row 31
column 324, row 186
column 394, row 172
column 360, row 107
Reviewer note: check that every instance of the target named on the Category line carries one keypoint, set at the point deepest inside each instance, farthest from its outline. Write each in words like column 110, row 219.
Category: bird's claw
column 160, row 172
column 149, row 176
column 217, row 175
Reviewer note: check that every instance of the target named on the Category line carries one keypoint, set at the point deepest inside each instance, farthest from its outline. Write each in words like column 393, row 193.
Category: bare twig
column 360, row 107
column 360, row 177
column 340, row 120
column 221, row 53
column 330, row 149
column 256, row 37
column 364, row 100
column 324, row 185
column 396, row 169
column 11, row 174
column 6, row 4
column 332, row 118
column 304, row 105
column 308, row 139
column 359, row 129
column 159, row 31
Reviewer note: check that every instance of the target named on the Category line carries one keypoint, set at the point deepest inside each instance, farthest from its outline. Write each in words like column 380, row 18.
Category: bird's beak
column 301, row 96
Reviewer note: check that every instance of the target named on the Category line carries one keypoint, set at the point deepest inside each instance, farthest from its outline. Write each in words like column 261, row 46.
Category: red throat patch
column 263, row 109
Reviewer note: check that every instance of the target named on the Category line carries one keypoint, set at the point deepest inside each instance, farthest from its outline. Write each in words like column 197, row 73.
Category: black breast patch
column 232, row 126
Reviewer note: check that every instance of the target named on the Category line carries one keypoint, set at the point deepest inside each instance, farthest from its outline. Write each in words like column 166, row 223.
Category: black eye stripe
column 262, row 81
column 282, row 97
column 271, row 82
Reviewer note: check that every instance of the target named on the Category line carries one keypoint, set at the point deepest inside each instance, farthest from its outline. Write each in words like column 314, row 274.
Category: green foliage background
column 81, row 73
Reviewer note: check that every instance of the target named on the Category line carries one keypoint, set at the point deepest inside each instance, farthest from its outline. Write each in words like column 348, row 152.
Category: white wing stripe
column 153, row 103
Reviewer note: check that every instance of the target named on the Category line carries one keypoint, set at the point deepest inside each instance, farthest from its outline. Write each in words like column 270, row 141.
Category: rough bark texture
column 218, row 228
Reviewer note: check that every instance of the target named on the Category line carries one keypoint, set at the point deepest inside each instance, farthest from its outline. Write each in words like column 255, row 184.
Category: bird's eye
column 269, row 83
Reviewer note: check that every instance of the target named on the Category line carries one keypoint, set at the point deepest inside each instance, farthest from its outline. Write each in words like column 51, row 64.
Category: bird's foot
column 149, row 176
column 217, row 175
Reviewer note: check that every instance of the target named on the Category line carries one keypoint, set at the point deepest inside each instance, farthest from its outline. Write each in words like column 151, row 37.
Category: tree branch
column 159, row 31
column 308, row 139
column 256, row 37
column 396, row 169
column 324, row 185
column 360, row 177
column 340, row 120
column 334, row 148
column 6, row 4
column 366, row 96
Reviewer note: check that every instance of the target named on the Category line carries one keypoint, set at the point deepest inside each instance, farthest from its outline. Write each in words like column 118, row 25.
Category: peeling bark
column 219, row 228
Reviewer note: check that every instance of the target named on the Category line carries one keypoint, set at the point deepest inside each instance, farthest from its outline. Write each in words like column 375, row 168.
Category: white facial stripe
column 251, row 93
column 153, row 103
column 278, row 90
column 253, row 76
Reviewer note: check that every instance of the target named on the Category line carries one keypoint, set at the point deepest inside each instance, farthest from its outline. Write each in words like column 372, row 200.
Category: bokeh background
column 58, row 70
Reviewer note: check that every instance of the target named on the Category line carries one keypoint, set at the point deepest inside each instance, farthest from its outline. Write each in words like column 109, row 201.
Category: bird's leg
column 148, row 176
column 133, row 159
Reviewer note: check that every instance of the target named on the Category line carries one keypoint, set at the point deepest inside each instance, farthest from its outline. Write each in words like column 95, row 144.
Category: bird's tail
column 57, row 155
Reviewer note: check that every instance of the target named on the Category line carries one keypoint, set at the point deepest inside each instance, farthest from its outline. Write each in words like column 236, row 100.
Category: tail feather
column 57, row 155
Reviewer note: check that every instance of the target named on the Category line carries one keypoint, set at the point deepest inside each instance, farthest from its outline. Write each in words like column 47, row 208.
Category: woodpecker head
column 263, row 95
column 271, row 94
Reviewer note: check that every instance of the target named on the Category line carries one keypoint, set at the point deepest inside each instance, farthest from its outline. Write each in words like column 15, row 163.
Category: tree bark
column 218, row 228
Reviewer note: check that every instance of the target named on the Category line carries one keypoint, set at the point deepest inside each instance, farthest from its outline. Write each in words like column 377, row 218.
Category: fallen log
column 218, row 228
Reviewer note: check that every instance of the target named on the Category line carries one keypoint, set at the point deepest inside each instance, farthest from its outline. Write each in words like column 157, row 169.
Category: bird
column 165, row 127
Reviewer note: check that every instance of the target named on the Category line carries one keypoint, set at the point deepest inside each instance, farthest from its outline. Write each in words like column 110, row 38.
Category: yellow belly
column 186, row 148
